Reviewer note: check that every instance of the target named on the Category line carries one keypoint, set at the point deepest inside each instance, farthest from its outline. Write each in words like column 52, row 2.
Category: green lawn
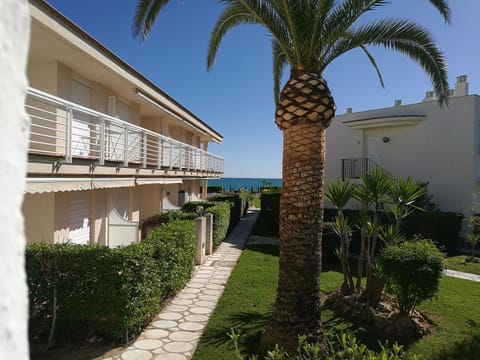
column 247, row 303
column 458, row 263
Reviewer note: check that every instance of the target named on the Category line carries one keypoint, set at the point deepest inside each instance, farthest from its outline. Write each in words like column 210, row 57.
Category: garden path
column 176, row 330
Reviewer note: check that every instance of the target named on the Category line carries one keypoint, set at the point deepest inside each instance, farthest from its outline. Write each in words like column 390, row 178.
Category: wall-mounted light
column 385, row 139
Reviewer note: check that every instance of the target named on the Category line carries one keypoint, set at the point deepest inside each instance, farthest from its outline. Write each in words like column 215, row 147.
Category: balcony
column 76, row 134
column 356, row 167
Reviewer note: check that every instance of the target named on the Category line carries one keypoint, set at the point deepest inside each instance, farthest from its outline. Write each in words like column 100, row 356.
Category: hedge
column 441, row 227
column 115, row 292
column 150, row 223
column 221, row 220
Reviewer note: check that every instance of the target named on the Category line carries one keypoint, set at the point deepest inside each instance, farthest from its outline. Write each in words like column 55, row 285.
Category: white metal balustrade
column 68, row 130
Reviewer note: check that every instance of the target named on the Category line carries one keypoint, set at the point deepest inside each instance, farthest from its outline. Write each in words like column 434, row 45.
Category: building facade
column 424, row 141
column 107, row 147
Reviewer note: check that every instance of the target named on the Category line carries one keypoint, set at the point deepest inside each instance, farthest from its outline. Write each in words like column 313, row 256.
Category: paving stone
column 137, row 355
column 164, row 324
column 182, row 301
column 169, row 316
column 195, row 285
column 212, row 292
column 203, row 303
column 218, row 281
column 186, row 296
column 191, row 326
column 176, row 308
column 148, row 344
column 184, row 336
column 197, row 318
column 208, row 297
column 178, row 347
column 190, row 291
column 170, row 357
column 201, row 310
column 214, row 287
column 155, row 334
column 199, row 280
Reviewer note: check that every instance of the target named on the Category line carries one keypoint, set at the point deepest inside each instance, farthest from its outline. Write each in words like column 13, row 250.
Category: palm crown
column 311, row 34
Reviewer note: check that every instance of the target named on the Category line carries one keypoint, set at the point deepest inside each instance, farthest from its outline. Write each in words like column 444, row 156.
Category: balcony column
column 204, row 181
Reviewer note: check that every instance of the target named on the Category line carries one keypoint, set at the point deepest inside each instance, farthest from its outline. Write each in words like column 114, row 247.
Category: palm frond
column 444, row 9
column 146, row 13
column 279, row 64
column 402, row 36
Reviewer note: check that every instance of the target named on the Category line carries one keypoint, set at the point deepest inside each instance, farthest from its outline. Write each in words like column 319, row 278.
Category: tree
column 307, row 36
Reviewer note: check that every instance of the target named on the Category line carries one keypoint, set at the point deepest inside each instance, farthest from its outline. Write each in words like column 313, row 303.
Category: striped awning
column 44, row 185
column 107, row 183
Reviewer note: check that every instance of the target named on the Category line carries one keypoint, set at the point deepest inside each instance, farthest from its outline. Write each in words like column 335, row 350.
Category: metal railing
column 64, row 129
column 356, row 167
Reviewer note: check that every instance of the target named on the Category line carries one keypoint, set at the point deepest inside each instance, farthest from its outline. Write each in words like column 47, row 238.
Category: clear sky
column 236, row 97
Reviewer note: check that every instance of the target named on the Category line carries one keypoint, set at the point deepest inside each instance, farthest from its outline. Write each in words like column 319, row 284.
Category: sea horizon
column 247, row 183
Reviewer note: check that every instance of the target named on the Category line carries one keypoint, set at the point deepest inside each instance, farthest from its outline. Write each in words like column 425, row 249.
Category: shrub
column 413, row 270
column 221, row 219
column 173, row 247
column 441, row 227
column 191, row 206
column 115, row 291
column 342, row 346
column 150, row 223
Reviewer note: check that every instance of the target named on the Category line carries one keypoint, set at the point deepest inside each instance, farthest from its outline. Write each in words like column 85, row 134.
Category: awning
column 107, row 183
column 43, row 185
column 148, row 181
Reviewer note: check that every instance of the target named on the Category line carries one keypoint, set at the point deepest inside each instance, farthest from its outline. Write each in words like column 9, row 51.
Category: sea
column 248, row 184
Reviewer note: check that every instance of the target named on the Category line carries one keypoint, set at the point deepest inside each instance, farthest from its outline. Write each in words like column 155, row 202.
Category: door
column 81, row 95
column 79, row 217
column 372, row 150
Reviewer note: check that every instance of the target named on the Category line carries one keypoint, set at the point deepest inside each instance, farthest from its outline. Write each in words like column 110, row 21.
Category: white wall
column 14, row 39
column 440, row 149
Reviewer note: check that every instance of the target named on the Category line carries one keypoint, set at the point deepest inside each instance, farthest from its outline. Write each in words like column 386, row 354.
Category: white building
column 424, row 141
column 107, row 148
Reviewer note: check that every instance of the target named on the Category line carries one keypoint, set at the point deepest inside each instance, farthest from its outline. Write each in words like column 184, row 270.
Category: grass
column 248, row 299
column 256, row 201
column 458, row 263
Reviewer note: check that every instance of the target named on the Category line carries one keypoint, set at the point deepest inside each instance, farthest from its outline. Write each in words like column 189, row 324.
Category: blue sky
column 236, row 97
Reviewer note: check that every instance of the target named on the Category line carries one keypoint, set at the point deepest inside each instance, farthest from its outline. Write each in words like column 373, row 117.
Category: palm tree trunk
column 305, row 109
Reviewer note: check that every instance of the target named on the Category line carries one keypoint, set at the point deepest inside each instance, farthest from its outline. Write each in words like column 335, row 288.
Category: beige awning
column 107, row 183
column 43, row 185
column 148, row 181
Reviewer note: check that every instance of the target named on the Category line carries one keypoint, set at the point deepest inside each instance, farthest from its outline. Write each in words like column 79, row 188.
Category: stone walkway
column 462, row 275
column 175, row 332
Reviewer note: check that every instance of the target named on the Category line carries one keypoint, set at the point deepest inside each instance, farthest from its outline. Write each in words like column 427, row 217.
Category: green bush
column 413, row 270
column 113, row 291
column 221, row 220
column 192, row 205
column 150, row 223
column 441, row 227
column 270, row 205
column 173, row 247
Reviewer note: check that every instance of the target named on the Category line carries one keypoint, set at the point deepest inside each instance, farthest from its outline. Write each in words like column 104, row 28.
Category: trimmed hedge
column 221, row 220
column 441, row 227
column 151, row 223
column 113, row 291
column 191, row 207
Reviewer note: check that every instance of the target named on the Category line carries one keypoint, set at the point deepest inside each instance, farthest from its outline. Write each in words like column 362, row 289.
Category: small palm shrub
column 413, row 270
column 341, row 346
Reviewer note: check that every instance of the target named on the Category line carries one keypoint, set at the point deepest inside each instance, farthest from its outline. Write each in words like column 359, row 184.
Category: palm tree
column 307, row 36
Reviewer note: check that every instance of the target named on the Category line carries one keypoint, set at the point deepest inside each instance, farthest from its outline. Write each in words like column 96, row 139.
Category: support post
column 209, row 234
column 200, row 223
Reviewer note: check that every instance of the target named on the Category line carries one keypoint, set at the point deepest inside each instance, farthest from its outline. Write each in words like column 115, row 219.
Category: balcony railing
column 356, row 167
column 64, row 129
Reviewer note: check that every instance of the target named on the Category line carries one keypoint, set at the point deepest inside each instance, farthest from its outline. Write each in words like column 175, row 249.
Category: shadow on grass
column 251, row 326
column 467, row 348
